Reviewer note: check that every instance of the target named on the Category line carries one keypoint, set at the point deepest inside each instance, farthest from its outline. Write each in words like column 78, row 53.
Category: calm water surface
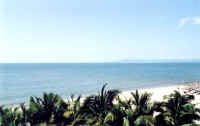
column 20, row 81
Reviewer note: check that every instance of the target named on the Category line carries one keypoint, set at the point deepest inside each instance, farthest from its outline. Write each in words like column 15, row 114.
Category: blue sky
column 98, row 30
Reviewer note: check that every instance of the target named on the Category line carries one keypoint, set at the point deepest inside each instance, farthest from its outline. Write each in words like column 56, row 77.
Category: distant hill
column 161, row 61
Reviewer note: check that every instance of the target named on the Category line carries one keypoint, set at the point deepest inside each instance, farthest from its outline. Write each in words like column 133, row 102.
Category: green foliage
column 101, row 110
column 190, row 125
column 9, row 117
column 178, row 110
column 43, row 109
column 144, row 120
column 96, row 107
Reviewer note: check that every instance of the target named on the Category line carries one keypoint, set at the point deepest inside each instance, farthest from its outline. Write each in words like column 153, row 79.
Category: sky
column 98, row 30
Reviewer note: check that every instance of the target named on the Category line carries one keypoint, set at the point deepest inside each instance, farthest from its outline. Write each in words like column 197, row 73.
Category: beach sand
column 159, row 92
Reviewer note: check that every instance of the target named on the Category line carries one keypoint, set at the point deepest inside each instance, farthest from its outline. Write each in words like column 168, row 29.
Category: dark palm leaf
column 42, row 109
column 142, row 103
column 178, row 110
column 99, row 105
column 144, row 120
column 9, row 116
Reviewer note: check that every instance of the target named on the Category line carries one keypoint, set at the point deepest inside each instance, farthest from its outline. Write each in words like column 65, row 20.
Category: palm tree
column 96, row 107
column 43, row 109
column 142, row 104
column 137, row 111
column 177, row 110
column 142, row 109
column 24, row 115
column 59, row 111
column 68, row 113
column 9, row 116
column 117, row 115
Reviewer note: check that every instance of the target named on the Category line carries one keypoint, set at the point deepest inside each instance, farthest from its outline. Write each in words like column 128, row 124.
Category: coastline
column 157, row 93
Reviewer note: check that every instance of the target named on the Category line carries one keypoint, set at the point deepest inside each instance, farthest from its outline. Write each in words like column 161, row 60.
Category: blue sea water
column 20, row 81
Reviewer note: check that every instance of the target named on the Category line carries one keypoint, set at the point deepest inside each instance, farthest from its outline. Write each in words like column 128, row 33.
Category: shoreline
column 157, row 92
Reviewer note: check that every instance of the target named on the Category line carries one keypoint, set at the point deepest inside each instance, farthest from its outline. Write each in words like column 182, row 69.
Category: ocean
column 21, row 80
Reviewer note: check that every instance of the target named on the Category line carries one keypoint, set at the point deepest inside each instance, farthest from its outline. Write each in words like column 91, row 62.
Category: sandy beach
column 159, row 92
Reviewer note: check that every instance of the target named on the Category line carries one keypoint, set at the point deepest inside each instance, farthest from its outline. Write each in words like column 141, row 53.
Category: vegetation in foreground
column 103, row 109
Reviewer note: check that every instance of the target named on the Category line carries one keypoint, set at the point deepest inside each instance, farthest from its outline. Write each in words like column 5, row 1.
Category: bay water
column 19, row 81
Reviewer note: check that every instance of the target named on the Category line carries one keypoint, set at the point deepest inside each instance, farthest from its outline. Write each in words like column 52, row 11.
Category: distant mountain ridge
column 160, row 61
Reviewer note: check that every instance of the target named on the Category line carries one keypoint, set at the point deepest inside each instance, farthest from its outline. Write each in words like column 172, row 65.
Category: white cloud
column 193, row 20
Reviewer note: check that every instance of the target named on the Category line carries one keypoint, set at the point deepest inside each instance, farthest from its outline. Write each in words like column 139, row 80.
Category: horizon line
column 125, row 61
